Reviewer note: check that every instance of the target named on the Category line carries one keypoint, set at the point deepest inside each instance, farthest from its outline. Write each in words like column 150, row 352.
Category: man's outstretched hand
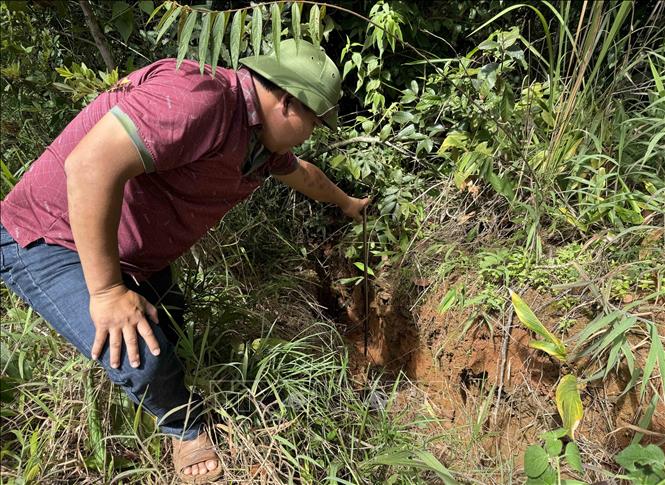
column 354, row 208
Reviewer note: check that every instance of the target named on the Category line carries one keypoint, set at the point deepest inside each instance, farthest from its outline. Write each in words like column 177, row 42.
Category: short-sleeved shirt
column 197, row 137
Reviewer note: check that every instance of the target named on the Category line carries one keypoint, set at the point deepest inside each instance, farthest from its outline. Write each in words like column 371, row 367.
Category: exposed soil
column 455, row 372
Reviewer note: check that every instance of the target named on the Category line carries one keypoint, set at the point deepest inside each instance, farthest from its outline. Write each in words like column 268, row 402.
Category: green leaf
column 530, row 321
column 411, row 458
column 595, row 326
column 569, row 404
column 553, row 446
column 573, row 457
column 123, row 16
column 548, row 347
column 167, row 20
column 96, row 435
column 454, row 139
column 315, row 25
column 295, row 22
column 185, row 36
column 645, row 420
column 536, row 461
column 275, row 13
column 236, row 32
column 257, row 30
column 634, row 455
column 447, row 301
column 204, row 39
column 361, row 267
column 656, row 354
column 402, row 117
column 147, row 6
column 218, row 29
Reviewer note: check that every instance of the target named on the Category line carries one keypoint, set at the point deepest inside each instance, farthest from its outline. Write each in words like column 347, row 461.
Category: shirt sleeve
column 175, row 117
column 282, row 164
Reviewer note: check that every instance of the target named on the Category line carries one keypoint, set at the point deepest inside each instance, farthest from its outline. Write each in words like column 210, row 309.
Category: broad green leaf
column 536, row 461
column 530, row 321
column 218, row 29
column 295, row 22
column 147, row 6
column 569, row 404
column 236, row 33
column 185, row 36
column 455, row 139
column 123, row 19
column 573, row 457
column 361, row 267
column 402, row 117
column 315, row 25
column 634, row 455
column 257, row 30
column 553, row 446
column 275, row 13
column 167, row 20
column 550, row 348
column 204, row 38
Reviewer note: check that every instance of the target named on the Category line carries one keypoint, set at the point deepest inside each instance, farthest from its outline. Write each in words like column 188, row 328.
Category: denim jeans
column 49, row 278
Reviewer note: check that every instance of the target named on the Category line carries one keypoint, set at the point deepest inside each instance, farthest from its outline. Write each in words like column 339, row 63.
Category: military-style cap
column 305, row 72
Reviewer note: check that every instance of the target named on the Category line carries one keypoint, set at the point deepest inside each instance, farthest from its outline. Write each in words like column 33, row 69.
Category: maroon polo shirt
column 196, row 136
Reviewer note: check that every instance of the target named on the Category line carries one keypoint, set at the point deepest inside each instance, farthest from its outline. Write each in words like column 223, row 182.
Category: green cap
column 305, row 72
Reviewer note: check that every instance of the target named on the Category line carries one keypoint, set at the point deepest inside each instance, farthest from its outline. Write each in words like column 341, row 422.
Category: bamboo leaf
column 157, row 10
column 315, row 25
column 236, row 33
column 96, row 436
column 447, row 301
column 595, row 326
column 218, row 29
column 167, row 20
column 656, row 355
column 549, row 347
column 204, row 39
column 412, row 458
column 257, row 30
column 295, row 23
column 185, row 36
column 275, row 13
column 530, row 321
column 569, row 404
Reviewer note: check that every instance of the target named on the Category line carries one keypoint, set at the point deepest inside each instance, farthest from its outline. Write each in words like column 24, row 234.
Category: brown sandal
column 198, row 454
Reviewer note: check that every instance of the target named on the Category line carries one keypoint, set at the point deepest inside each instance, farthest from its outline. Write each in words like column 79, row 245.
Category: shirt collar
column 251, row 98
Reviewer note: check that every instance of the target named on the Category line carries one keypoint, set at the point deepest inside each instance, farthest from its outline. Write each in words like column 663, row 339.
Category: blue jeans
column 49, row 278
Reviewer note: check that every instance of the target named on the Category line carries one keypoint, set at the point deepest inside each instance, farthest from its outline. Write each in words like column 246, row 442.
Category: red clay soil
column 454, row 371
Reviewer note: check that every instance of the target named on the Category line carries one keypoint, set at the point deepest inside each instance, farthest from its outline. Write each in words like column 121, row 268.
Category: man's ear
column 284, row 102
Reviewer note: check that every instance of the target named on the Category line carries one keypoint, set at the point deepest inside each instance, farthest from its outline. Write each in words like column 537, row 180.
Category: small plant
column 542, row 464
column 568, row 401
column 645, row 465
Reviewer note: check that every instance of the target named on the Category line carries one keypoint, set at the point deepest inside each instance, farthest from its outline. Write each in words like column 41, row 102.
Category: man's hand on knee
column 118, row 313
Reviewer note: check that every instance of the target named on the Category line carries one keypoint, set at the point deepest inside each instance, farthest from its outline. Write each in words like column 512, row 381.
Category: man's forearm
column 94, row 214
column 316, row 185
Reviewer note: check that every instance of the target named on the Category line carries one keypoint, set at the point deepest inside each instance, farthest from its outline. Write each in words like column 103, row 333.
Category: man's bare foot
column 195, row 460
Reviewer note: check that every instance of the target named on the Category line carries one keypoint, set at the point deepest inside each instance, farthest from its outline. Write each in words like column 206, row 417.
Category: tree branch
column 97, row 35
